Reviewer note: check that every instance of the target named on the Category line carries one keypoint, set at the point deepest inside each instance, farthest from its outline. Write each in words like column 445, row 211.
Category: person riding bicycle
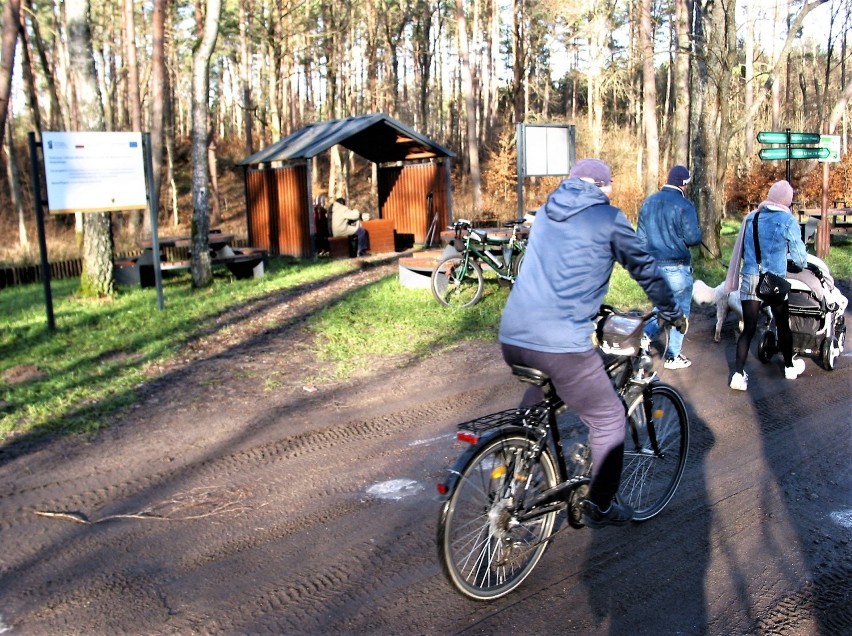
column 549, row 319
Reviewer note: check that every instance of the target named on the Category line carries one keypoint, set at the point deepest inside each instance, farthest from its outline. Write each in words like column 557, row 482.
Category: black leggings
column 751, row 313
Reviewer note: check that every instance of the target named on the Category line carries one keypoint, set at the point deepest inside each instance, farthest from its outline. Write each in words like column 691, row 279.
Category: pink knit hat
column 781, row 193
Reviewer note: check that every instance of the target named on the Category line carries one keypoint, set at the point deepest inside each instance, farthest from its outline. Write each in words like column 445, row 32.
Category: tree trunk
column 202, row 273
column 135, row 103
column 15, row 187
column 470, row 108
column 680, row 154
column 8, row 43
column 749, row 79
column 518, row 63
column 55, row 120
column 159, row 95
column 649, row 101
column 97, row 276
column 245, row 73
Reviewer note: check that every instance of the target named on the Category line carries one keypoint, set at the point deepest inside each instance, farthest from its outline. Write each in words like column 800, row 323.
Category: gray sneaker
column 616, row 515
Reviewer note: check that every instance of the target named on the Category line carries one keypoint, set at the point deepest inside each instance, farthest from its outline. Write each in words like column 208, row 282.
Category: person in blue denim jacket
column 668, row 227
column 780, row 241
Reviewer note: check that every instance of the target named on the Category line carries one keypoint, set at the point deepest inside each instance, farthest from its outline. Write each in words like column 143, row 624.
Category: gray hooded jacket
column 576, row 239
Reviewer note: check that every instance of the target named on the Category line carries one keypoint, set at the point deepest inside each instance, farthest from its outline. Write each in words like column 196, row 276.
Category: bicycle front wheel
column 655, row 451
column 456, row 285
column 485, row 550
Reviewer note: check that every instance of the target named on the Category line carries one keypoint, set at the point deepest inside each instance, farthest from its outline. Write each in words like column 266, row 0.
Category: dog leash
column 718, row 258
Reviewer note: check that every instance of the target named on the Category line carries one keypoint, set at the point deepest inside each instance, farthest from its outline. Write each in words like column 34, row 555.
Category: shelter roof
column 376, row 137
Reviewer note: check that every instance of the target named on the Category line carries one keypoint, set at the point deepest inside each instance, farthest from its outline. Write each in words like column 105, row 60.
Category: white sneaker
column 678, row 362
column 798, row 368
column 739, row 381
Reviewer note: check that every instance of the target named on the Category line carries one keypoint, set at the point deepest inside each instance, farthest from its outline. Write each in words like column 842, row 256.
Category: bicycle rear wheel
column 455, row 285
column 654, row 452
column 484, row 549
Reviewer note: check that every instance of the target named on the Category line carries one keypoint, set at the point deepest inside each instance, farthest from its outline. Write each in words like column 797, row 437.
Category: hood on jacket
column 572, row 197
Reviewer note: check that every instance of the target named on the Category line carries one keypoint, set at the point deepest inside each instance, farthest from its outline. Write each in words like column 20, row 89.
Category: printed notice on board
column 94, row 171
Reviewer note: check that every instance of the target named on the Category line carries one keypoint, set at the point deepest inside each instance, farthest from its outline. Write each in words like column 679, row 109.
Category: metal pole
column 42, row 241
column 520, row 145
column 823, row 238
column 788, row 174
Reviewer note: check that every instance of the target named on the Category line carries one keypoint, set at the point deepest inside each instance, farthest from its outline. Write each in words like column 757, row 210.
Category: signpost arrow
column 773, row 137
column 793, row 152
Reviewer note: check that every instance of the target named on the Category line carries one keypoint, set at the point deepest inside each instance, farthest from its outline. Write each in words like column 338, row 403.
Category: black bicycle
column 458, row 280
column 504, row 493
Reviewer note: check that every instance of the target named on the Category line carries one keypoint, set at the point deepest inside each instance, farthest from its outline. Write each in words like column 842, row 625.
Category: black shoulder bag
column 771, row 288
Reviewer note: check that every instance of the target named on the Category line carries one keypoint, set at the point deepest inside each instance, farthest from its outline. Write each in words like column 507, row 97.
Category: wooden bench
column 242, row 262
column 342, row 246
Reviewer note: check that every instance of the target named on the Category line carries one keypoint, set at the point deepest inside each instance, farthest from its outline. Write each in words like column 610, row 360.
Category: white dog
column 703, row 294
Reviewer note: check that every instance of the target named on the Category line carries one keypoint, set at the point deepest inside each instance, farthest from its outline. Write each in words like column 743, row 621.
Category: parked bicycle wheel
column 484, row 549
column 454, row 285
column 517, row 263
column 654, row 453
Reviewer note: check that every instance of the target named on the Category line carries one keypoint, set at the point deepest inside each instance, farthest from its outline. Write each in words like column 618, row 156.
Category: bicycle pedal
column 575, row 510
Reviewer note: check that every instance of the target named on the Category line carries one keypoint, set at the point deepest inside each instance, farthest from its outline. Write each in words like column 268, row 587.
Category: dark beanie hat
column 678, row 176
column 593, row 169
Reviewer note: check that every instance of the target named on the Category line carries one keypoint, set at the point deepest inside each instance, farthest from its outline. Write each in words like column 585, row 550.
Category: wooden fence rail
column 28, row 274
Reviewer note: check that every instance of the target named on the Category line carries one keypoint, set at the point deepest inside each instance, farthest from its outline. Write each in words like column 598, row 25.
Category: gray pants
column 583, row 384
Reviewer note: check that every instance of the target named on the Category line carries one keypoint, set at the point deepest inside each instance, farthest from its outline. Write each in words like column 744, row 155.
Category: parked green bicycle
column 458, row 280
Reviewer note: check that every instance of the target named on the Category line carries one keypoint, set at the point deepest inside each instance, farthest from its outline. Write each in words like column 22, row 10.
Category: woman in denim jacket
column 780, row 241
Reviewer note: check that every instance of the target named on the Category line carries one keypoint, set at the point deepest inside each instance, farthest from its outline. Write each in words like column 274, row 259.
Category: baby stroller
column 816, row 316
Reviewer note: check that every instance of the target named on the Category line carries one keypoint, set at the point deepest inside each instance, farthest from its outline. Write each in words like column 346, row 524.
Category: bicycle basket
column 620, row 334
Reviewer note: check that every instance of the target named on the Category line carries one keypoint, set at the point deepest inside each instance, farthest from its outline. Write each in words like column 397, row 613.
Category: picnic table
column 242, row 262
column 839, row 219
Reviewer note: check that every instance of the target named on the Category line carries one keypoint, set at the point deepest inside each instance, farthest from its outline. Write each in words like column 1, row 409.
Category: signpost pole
column 823, row 239
column 42, row 240
column 788, row 173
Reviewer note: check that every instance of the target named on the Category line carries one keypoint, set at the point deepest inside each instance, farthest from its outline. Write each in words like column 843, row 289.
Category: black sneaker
column 617, row 514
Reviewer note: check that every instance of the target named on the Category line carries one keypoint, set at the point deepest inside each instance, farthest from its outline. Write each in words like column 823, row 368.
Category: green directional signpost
column 789, row 151
column 769, row 154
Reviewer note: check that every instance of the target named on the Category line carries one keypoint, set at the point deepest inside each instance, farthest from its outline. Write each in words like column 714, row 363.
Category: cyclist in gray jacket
column 549, row 319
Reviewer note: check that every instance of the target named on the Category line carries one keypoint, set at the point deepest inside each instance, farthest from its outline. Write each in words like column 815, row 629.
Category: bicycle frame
column 477, row 247
column 503, row 496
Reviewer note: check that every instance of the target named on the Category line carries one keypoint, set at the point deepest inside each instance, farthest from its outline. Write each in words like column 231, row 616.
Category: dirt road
column 241, row 496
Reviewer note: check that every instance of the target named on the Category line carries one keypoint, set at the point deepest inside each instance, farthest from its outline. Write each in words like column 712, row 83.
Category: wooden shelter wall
column 403, row 194
column 278, row 215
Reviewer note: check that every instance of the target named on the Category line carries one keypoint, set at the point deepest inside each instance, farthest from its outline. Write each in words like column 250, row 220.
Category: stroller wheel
column 829, row 351
column 766, row 349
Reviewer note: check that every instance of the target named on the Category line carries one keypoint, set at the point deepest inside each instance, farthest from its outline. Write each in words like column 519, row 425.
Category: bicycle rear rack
column 473, row 430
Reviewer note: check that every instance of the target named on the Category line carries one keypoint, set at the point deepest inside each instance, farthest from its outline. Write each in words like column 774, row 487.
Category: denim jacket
column 668, row 226
column 780, row 240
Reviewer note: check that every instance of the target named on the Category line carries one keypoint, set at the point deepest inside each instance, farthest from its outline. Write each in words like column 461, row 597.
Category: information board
column 832, row 143
column 548, row 150
column 94, row 171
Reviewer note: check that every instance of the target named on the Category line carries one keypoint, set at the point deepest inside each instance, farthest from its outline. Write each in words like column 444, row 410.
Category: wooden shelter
column 413, row 181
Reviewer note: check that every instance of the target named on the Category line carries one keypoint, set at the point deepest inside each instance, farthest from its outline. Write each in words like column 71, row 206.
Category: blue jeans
column 679, row 278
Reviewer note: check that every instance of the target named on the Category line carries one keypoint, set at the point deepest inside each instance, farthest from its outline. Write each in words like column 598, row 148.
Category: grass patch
column 69, row 380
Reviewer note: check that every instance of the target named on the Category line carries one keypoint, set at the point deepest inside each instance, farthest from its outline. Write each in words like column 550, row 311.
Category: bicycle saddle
column 528, row 374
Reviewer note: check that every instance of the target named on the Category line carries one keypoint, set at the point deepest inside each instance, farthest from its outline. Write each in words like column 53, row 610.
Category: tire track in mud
column 56, row 553
column 264, row 456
